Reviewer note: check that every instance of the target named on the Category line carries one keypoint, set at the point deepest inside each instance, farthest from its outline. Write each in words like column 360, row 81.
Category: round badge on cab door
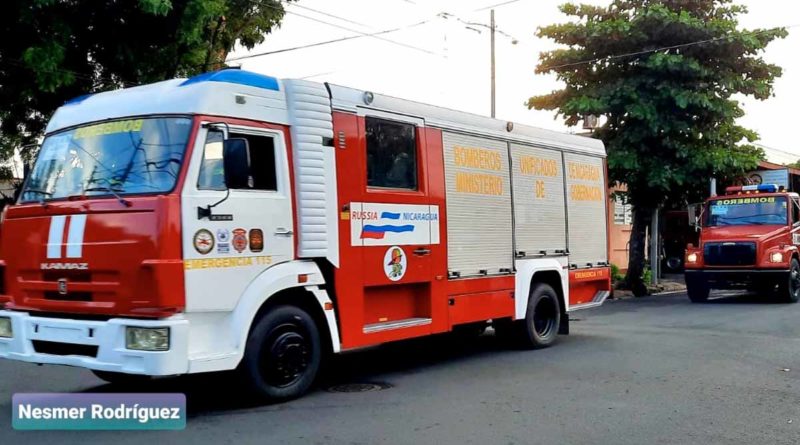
column 203, row 241
column 395, row 263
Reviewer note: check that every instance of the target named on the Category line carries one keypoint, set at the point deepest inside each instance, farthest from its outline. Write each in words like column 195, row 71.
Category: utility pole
column 492, row 26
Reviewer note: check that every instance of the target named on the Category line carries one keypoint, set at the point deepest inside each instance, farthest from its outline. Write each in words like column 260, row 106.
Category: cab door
column 394, row 228
column 232, row 235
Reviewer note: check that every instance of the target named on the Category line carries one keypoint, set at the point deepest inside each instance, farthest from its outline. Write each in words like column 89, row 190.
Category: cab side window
column 391, row 154
column 795, row 211
column 262, row 162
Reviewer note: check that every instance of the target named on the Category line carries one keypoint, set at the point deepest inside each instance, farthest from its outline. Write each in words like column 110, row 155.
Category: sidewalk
column 670, row 283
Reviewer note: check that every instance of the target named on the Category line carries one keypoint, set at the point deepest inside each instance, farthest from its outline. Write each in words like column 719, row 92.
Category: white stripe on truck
column 77, row 224
column 56, row 237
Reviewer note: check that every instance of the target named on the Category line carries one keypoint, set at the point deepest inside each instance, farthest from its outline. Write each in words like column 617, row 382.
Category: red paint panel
column 434, row 155
column 478, row 307
column 393, row 303
column 478, row 285
column 132, row 256
column 364, row 294
column 349, row 285
column 585, row 283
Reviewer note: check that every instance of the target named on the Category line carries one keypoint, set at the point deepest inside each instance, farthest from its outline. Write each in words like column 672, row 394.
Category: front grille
column 729, row 254
column 69, row 296
column 57, row 348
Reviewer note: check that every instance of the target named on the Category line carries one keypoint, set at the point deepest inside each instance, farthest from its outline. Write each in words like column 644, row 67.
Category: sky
column 446, row 62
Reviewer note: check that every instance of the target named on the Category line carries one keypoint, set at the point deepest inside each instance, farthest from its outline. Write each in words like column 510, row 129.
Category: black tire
column 122, row 379
column 789, row 290
column 674, row 264
column 698, row 292
column 542, row 319
column 283, row 354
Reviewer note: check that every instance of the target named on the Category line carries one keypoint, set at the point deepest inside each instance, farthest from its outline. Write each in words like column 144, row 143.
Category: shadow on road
column 209, row 394
column 743, row 298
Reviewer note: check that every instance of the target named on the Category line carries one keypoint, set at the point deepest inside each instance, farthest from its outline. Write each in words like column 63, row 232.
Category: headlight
column 691, row 258
column 147, row 339
column 6, row 330
column 776, row 257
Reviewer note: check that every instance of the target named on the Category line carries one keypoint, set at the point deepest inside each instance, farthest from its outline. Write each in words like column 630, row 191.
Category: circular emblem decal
column 256, row 240
column 203, row 241
column 394, row 263
column 239, row 240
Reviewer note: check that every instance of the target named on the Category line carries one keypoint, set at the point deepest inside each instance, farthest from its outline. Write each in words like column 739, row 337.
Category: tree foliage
column 55, row 50
column 665, row 75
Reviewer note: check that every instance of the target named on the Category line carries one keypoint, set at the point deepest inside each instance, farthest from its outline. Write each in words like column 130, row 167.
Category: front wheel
column 789, row 290
column 542, row 320
column 283, row 354
column 698, row 292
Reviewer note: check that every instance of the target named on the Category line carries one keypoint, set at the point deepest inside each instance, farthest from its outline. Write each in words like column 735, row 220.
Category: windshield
column 120, row 157
column 756, row 210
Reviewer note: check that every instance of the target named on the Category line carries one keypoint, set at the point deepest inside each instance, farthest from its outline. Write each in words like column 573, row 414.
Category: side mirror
column 236, row 160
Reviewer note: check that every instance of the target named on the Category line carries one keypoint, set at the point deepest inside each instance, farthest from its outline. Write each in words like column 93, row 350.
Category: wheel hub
column 544, row 318
column 287, row 358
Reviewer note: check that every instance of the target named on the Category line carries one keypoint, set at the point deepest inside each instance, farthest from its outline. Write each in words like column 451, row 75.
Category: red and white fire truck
column 749, row 239
column 238, row 221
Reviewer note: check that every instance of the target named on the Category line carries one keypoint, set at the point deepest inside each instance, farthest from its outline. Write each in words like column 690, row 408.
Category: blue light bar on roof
column 79, row 99
column 238, row 77
column 768, row 188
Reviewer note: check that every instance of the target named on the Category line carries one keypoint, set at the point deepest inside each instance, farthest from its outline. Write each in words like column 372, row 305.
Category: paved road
column 656, row 370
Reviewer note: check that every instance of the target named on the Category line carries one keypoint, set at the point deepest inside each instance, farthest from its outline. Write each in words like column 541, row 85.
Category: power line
column 295, row 5
column 326, row 42
column 496, row 5
column 664, row 48
column 373, row 35
column 76, row 74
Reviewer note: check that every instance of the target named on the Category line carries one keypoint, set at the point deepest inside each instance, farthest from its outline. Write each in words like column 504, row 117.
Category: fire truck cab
column 235, row 221
column 749, row 239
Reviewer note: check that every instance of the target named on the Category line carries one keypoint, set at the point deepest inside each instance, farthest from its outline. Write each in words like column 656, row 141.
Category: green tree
column 55, row 50
column 664, row 74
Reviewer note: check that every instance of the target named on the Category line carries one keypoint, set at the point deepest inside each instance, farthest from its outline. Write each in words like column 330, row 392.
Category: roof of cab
column 213, row 93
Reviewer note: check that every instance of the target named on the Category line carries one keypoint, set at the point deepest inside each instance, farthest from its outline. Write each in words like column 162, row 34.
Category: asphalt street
column 655, row 370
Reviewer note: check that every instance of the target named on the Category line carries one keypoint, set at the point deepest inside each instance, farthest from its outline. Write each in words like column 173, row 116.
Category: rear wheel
column 698, row 292
column 540, row 327
column 283, row 354
column 789, row 290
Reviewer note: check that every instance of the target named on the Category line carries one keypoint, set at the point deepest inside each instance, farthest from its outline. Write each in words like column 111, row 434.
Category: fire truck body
column 749, row 240
column 359, row 219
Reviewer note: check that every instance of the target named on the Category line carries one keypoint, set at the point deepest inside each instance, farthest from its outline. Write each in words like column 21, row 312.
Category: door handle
column 280, row 231
column 422, row 251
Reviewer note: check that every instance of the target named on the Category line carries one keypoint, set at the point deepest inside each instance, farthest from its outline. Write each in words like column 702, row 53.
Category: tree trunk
column 636, row 258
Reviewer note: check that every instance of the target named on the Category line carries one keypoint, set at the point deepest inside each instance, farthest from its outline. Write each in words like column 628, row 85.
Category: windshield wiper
column 121, row 200
column 109, row 188
column 40, row 192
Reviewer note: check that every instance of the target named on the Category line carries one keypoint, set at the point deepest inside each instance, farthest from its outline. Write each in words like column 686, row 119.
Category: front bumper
column 734, row 278
column 77, row 340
